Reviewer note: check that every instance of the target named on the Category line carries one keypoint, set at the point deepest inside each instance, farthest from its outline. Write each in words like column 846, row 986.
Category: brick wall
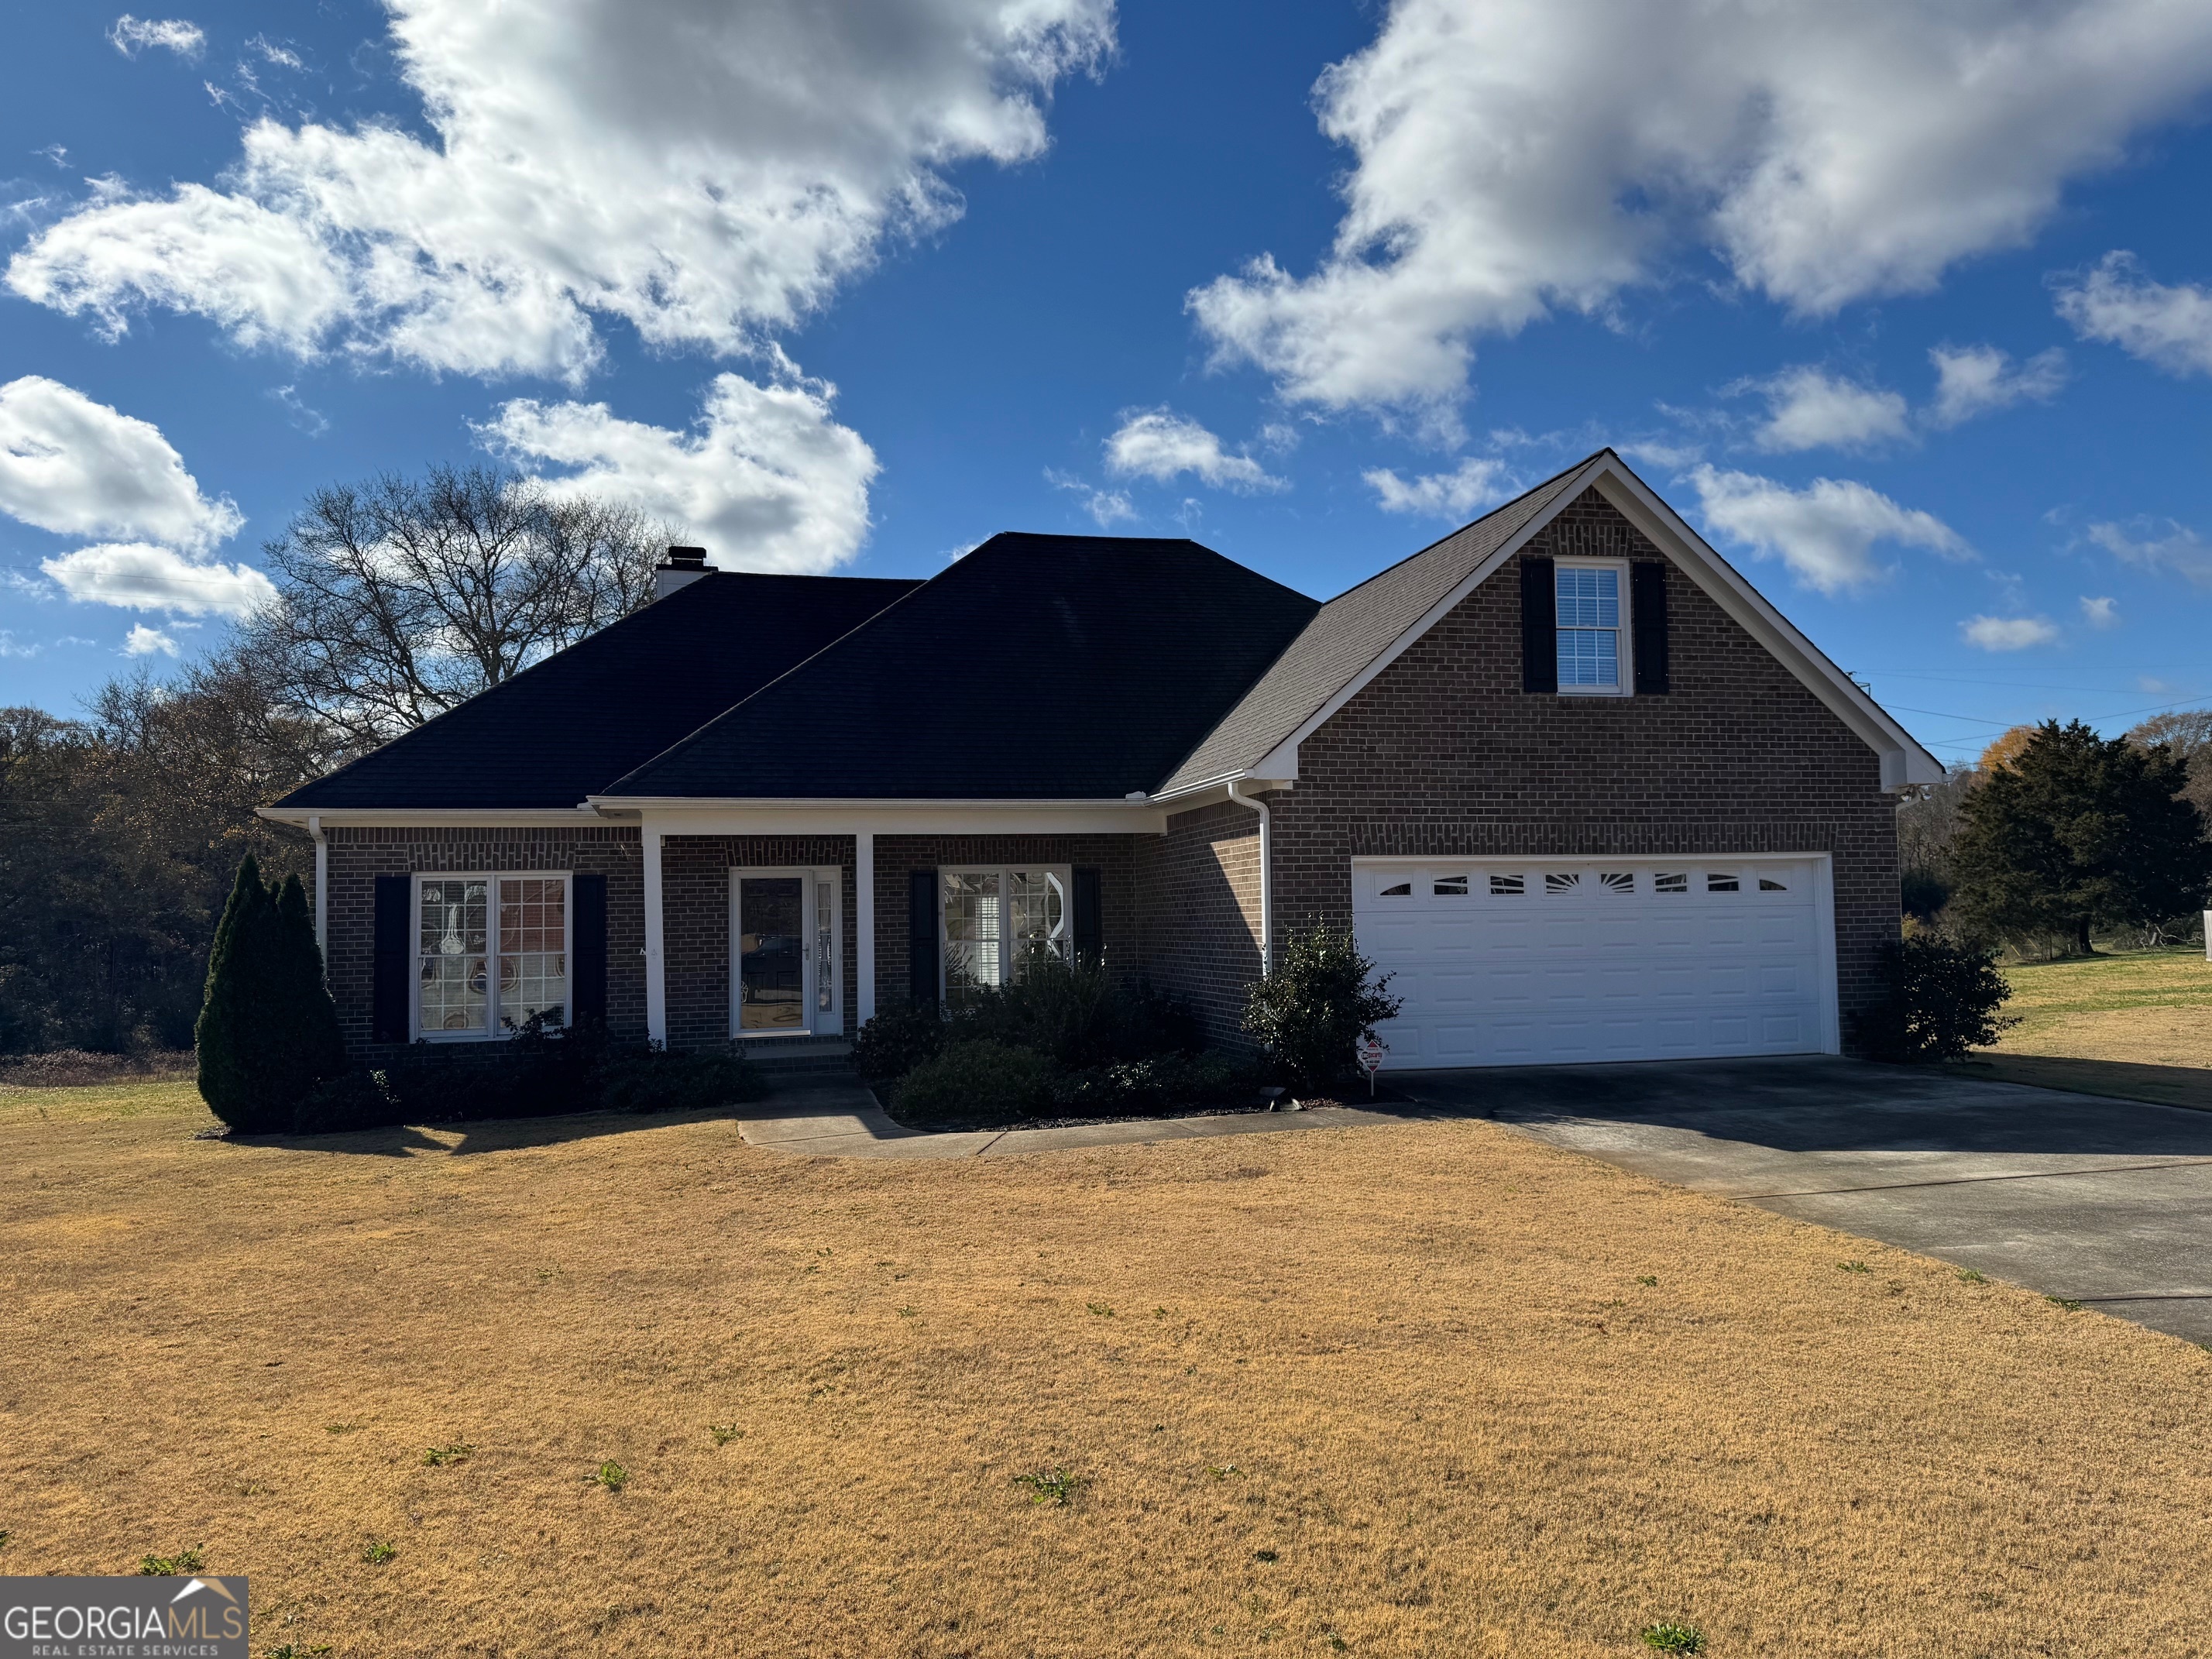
column 1442, row 753
column 358, row 856
column 694, row 907
column 1198, row 889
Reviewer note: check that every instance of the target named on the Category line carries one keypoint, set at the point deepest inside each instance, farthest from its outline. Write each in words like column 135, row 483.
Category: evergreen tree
column 305, row 1021
column 232, row 1059
column 2075, row 830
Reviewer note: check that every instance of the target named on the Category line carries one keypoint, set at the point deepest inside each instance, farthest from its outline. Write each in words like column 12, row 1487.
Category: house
column 1579, row 787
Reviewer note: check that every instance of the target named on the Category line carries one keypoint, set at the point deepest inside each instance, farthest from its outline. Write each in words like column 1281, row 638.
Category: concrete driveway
column 2106, row 1202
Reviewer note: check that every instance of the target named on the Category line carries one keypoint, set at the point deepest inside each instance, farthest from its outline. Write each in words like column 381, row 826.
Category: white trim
column 808, row 876
column 376, row 817
column 1904, row 762
column 908, row 819
column 1624, row 648
column 656, row 970
column 493, row 1030
column 322, row 889
column 864, row 924
column 1266, row 880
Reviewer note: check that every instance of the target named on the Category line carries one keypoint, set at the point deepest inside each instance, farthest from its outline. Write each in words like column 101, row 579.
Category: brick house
column 1575, row 784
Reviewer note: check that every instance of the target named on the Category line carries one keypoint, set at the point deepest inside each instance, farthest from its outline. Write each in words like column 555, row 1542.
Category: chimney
column 684, row 565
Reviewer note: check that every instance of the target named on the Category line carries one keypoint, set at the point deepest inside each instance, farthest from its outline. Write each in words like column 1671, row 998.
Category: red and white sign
column 1371, row 1054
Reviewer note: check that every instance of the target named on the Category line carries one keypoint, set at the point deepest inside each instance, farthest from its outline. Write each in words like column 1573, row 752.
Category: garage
column 1539, row 962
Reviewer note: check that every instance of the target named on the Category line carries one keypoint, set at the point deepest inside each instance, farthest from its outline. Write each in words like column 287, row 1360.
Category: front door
column 784, row 930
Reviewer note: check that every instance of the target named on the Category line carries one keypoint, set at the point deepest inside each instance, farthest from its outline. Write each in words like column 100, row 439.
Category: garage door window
column 1507, row 886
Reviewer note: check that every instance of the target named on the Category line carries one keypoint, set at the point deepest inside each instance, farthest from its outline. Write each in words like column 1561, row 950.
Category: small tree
column 1939, row 1000
column 2075, row 829
column 268, row 1033
column 1320, row 1001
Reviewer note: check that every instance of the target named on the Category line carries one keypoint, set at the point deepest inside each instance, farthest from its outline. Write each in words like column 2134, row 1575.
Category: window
column 1587, row 602
column 1677, row 883
column 1399, row 889
column 1556, row 882
column 1719, row 884
column 995, row 920
column 1623, row 882
column 1451, row 887
column 491, row 950
column 1768, row 884
column 1506, row 886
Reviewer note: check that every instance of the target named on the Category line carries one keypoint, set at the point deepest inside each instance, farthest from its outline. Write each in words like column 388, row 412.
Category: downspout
column 322, row 885
column 1267, row 879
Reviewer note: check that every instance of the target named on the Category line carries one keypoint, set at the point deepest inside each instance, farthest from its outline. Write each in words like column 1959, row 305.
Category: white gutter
column 1266, row 878
column 322, row 885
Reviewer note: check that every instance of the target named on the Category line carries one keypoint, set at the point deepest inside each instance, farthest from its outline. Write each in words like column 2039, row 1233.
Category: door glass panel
column 971, row 930
column 533, row 956
column 456, row 989
column 771, row 953
column 825, row 953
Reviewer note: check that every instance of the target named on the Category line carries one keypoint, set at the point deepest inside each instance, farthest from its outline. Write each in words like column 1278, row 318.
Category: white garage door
column 1537, row 962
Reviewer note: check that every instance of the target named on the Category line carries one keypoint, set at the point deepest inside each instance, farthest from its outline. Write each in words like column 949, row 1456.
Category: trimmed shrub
column 1321, row 1001
column 897, row 1040
column 976, row 1080
column 355, row 1100
column 654, row 1080
column 268, row 1033
column 1162, row 1083
column 1939, row 1000
column 1077, row 1014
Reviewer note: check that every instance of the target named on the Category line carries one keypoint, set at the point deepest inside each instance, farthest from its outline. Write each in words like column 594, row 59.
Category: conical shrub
column 304, row 1021
column 268, row 1031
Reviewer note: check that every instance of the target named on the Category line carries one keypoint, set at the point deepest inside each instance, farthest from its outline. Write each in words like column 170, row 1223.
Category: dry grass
column 2152, row 1007
column 1423, row 1368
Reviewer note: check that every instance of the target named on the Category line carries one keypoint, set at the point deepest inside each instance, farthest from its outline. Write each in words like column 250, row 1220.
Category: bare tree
column 2189, row 731
column 403, row 596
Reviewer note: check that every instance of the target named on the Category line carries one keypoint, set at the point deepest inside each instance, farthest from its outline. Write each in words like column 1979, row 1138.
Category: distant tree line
column 121, row 830
column 2058, row 834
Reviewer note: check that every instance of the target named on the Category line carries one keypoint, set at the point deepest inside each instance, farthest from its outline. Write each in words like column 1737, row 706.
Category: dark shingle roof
column 1349, row 633
column 570, row 725
column 1036, row 667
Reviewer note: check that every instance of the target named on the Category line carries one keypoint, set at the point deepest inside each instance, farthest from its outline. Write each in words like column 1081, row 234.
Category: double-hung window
column 993, row 919
column 1591, row 605
column 490, row 951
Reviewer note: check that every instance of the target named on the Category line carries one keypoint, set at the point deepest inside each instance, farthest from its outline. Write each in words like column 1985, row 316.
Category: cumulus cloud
column 706, row 172
column 1972, row 380
column 2170, row 546
column 2168, row 327
column 131, row 35
column 139, row 576
column 2007, row 633
column 2100, row 613
column 764, row 477
column 79, row 468
column 144, row 642
column 1106, row 508
column 1809, row 409
column 1515, row 157
column 1826, row 534
column 1476, row 482
column 1161, row 445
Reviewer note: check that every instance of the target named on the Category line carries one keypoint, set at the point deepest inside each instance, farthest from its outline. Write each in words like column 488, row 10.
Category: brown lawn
column 1398, row 1391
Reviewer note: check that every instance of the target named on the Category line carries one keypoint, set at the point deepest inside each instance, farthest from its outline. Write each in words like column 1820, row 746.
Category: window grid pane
column 1037, row 917
column 1588, row 621
column 971, row 930
column 455, row 993
column 1589, row 656
column 533, row 957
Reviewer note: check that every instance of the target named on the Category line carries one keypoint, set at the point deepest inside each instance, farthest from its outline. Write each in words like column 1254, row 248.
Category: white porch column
column 322, row 889
column 863, row 919
column 656, row 977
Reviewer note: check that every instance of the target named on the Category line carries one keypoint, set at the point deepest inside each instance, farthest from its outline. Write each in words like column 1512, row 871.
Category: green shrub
column 976, row 1080
column 897, row 1040
column 1077, row 1014
column 654, row 1080
column 1160, row 1084
column 1321, row 1001
column 268, row 1033
column 1939, row 1000
column 352, row 1100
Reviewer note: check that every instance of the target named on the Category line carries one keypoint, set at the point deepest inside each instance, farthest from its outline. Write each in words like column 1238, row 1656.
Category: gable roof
column 570, row 725
column 1037, row 667
column 1358, row 634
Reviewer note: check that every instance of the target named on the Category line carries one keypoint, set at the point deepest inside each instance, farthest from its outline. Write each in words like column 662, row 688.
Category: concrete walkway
column 837, row 1117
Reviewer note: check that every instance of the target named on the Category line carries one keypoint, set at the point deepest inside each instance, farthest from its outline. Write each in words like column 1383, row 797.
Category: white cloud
column 2173, row 547
column 1513, row 157
column 2007, row 633
column 1972, row 380
column 765, row 477
column 1161, row 445
column 1477, row 482
column 2169, row 327
column 1826, row 534
column 142, row 577
column 707, row 172
column 131, row 35
column 10, row 648
column 79, row 468
column 144, row 642
column 1807, row 408
column 2100, row 612
column 1106, row 508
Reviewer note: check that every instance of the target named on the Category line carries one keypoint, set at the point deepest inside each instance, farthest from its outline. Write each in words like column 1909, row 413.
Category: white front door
column 1537, row 961
column 785, row 925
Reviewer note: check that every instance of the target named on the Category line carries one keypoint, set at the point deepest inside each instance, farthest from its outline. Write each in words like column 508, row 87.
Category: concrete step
column 785, row 1056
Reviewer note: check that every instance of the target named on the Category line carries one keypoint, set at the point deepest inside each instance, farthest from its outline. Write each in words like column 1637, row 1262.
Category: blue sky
column 1909, row 306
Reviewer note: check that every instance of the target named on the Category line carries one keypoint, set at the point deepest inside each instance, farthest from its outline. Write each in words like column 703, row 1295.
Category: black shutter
column 387, row 1019
column 1090, row 917
column 1539, row 644
column 588, row 961
column 1647, row 618
column 922, row 937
